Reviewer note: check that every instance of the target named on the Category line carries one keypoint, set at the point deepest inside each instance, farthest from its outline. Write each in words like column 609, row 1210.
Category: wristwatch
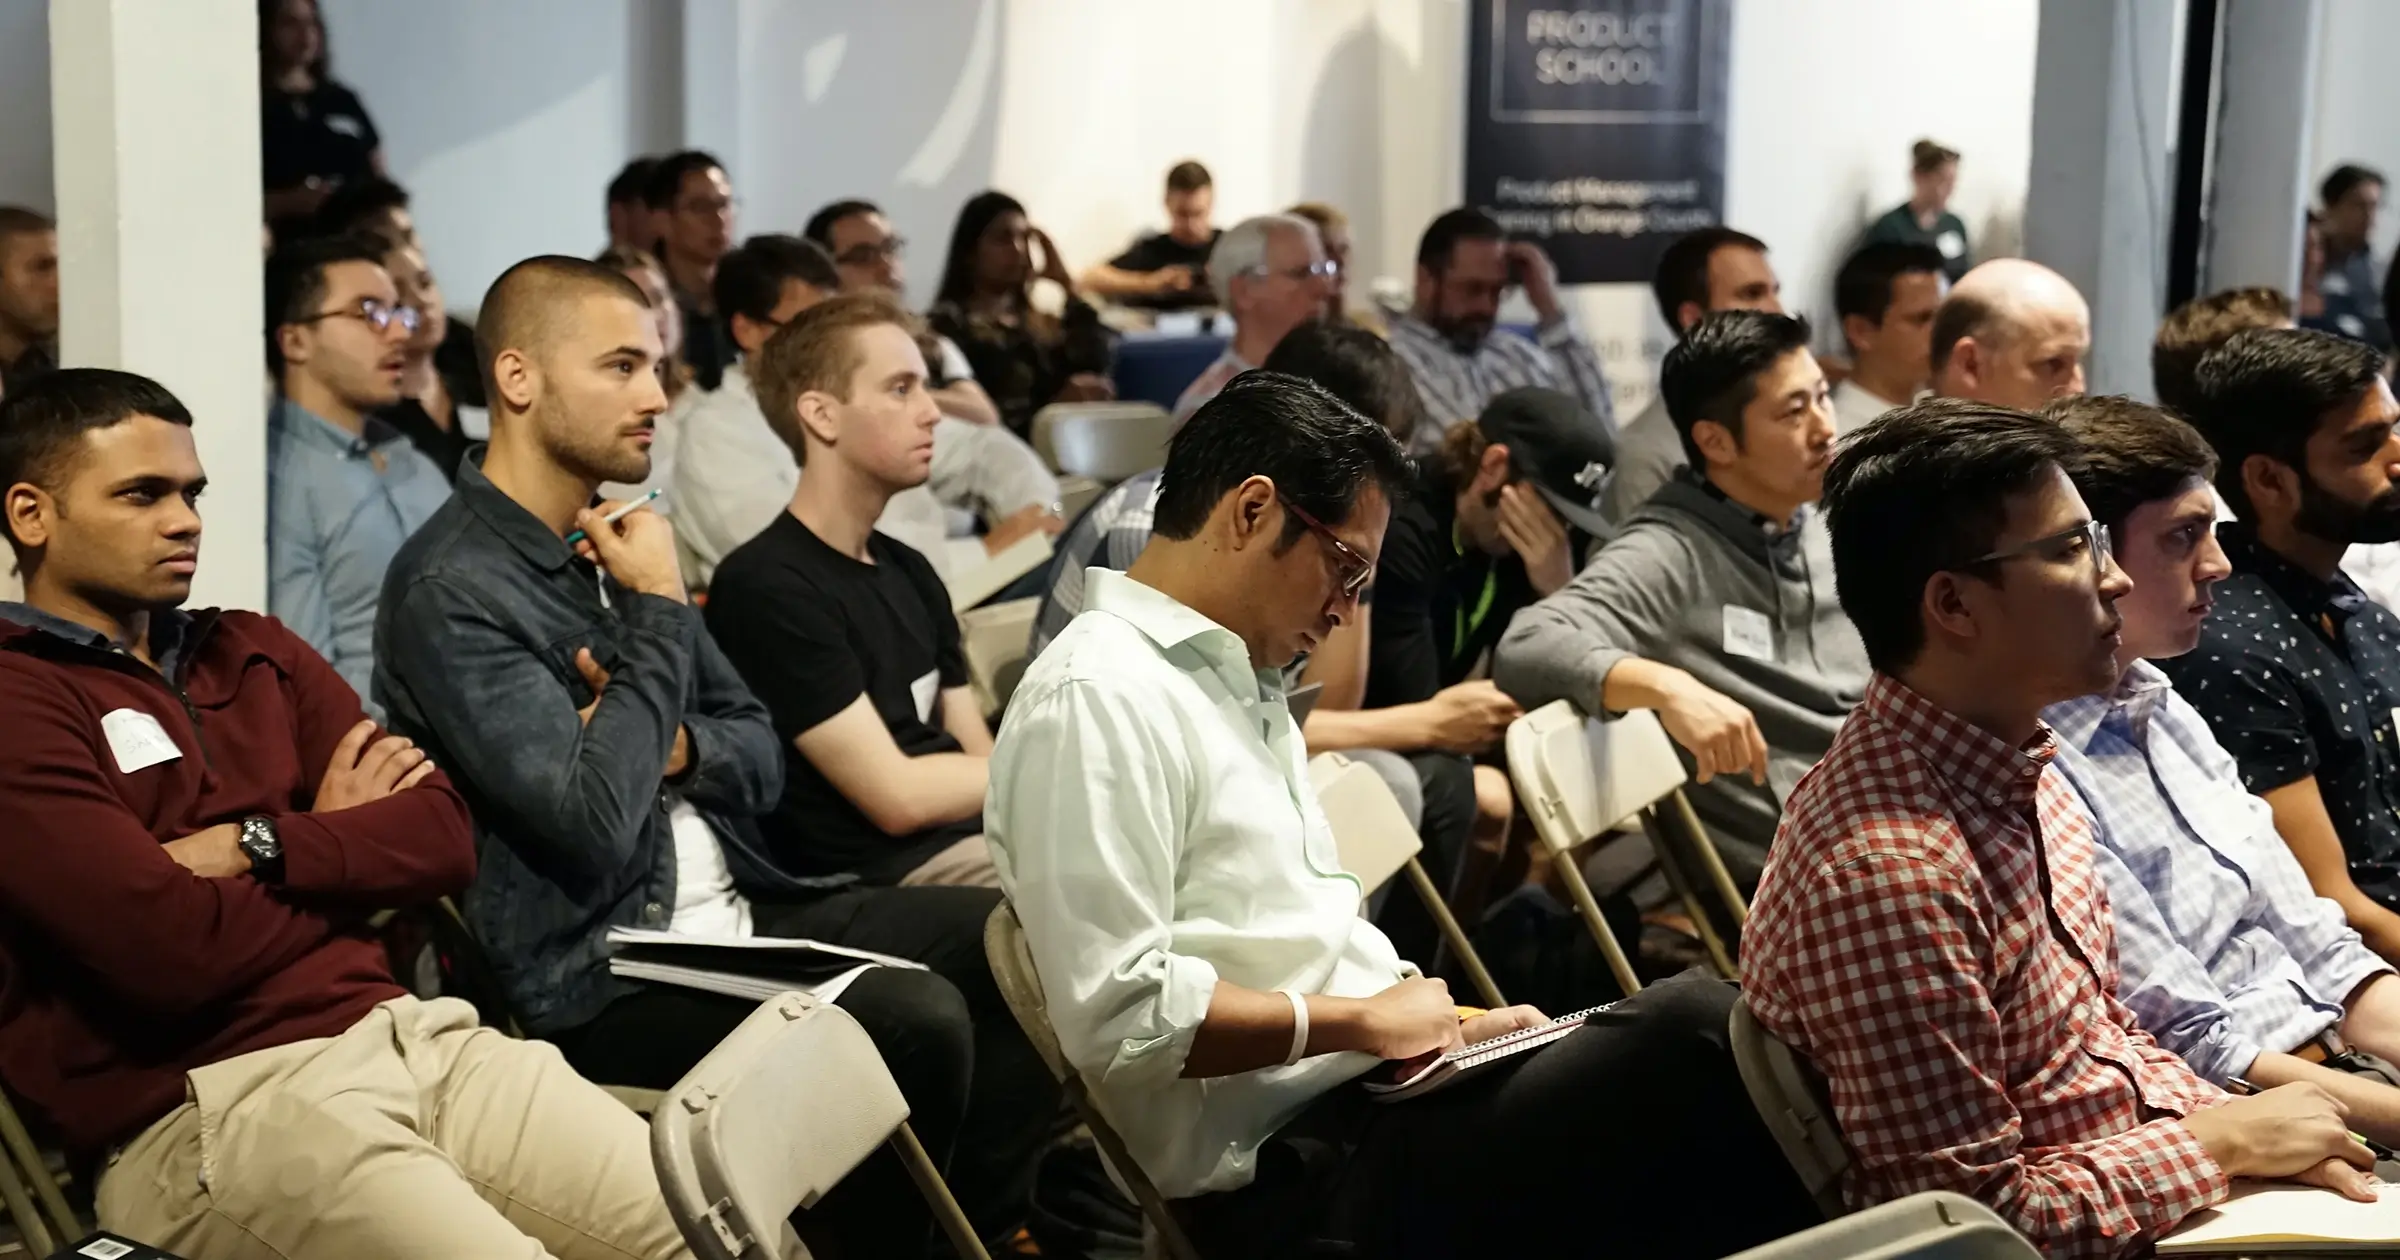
column 263, row 847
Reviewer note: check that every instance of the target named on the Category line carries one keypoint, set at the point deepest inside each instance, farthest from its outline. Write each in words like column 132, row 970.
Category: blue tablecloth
column 1156, row 369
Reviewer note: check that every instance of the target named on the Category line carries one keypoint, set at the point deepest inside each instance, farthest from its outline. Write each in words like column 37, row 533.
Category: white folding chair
column 1012, row 969
column 1792, row 1102
column 1580, row 777
column 1376, row 843
column 996, row 639
column 1935, row 1225
column 773, row 1118
column 1075, row 494
column 1105, row 441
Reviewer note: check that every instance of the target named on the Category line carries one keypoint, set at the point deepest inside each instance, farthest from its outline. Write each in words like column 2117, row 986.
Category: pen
column 618, row 515
column 2241, row 1085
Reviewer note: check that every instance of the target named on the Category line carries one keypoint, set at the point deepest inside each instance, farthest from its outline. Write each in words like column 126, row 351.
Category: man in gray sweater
column 1714, row 605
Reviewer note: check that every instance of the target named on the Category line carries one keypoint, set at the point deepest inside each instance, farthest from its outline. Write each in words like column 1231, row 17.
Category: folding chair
column 1579, row 778
column 1792, row 1102
column 1105, row 441
column 1935, row 1225
column 36, row 1203
column 773, row 1118
column 1012, row 968
column 1376, row 842
column 996, row 639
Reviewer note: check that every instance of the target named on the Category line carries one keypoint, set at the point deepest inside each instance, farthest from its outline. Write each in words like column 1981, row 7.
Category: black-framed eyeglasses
column 373, row 314
column 1353, row 569
column 2097, row 544
column 891, row 247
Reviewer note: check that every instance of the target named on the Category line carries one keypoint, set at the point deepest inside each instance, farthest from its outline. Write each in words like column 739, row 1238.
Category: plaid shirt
column 2226, row 951
column 1109, row 534
column 1455, row 385
column 1930, row 933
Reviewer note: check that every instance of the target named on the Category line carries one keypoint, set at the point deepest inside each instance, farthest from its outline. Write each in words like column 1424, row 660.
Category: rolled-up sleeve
column 1082, row 816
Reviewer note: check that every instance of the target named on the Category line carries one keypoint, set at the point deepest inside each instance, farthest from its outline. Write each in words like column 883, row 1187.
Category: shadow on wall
column 1341, row 148
column 1382, row 138
column 25, row 174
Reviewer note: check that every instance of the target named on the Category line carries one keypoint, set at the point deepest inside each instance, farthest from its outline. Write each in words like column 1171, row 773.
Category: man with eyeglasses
column 1931, row 933
column 868, row 254
column 1273, row 273
column 691, row 201
column 345, row 488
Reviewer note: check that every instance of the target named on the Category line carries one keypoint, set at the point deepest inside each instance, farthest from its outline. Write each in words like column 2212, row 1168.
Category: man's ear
column 1966, row 358
column 1859, row 333
column 817, row 416
column 2273, row 487
column 292, row 342
column 1492, row 470
column 1946, row 609
column 1715, row 442
column 25, row 513
column 1688, row 314
column 1252, row 518
column 515, row 379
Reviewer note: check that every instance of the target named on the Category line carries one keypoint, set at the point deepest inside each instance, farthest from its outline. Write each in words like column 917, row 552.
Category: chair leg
column 1712, row 860
column 1571, row 874
column 37, row 1171
column 1169, row 1231
column 1454, row 934
column 1670, row 864
column 937, row 1194
column 31, row 1228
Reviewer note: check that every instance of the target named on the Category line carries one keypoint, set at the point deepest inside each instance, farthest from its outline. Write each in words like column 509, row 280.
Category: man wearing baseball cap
column 1714, row 605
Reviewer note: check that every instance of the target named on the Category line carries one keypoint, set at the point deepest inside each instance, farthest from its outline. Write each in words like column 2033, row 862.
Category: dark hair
column 958, row 266
column 296, row 281
column 2193, row 329
column 820, row 224
column 665, row 181
column 19, row 221
column 1357, row 367
column 2133, row 453
column 2341, row 179
column 353, row 207
column 2267, row 389
column 321, row 69
column 1921, row 489
column 1317, row 451
column 1959, row 317
column 1925, row 157
column 1449, row 228
column 632, row 182
column 1712, row 373
column 750, row 277
column 42, row 420
column 1863, row 287
column 1682, row 272
column 1188, row 176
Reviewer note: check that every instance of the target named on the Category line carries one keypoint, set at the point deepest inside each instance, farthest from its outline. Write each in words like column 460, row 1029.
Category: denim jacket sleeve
column 736, row 763
column 576, row 796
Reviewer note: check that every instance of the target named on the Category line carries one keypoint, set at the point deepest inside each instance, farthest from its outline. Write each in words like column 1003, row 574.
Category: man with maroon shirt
column 200, row 819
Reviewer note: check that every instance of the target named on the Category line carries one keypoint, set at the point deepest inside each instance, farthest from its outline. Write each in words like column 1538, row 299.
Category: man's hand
column 214, row 853
column 1175, row 279
column 638, row 551
column 1409, row 1018
column 1499, row 1023
column 1531, row 268
column 2288, row 1131
column 1470, row 716
column 2342, row 1179
column 679, row 758
column 361, row 772
column 1031, row 519
column 1722, row 736
column 1538, row 537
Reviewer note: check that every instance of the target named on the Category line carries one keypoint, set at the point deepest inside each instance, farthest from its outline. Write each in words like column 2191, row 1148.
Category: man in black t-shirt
column 1167, row 271
column 846, row 634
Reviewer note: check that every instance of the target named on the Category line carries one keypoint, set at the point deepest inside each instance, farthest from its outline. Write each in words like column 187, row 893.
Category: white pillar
column 154, row 122
column 2260, row 179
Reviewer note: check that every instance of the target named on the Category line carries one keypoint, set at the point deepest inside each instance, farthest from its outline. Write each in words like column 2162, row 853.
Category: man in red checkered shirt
column 1929, row 931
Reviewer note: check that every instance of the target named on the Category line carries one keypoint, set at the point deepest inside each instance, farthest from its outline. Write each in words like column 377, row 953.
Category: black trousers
column 1630, row 1137
column 979, row 1097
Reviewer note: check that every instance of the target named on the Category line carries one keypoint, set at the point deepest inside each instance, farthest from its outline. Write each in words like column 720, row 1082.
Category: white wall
column 25, row 104
column 2358, row 97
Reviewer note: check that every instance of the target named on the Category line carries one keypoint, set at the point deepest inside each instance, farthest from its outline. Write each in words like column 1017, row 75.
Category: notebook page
column 2279, row 1212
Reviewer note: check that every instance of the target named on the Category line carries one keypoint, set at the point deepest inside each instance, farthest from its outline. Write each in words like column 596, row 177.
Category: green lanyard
column 1466, row 624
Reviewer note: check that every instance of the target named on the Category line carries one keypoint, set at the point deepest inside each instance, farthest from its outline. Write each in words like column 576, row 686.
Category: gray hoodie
column 1661, row 590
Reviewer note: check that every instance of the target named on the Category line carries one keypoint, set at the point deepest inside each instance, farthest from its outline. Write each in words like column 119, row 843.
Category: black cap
column 1564, row 450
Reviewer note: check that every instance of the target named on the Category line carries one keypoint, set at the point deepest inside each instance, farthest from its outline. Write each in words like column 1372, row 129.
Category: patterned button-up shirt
column 1455, row 384
column 2224, row 949
column 1931, row 935
column 1109, row 535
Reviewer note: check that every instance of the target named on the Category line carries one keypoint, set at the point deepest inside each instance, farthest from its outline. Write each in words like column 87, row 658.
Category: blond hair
column 818, row 351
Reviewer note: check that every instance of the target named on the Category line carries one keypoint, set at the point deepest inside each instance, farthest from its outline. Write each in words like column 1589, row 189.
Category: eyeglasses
column 1322, row 269
column 373, row 314
column 2094, row 536
column 867, row 255
column 1352, row 568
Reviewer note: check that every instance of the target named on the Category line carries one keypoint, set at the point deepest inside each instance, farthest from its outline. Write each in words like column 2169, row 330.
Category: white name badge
column 137, row 739
column 1951, row 244
column 1749, row 633
column 925, row 690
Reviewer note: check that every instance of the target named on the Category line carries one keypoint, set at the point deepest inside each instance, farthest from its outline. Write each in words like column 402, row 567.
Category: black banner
column 1598, row 130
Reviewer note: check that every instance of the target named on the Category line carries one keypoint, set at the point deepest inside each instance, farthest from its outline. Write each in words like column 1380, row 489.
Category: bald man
column 615, row 762
column 2012, row 332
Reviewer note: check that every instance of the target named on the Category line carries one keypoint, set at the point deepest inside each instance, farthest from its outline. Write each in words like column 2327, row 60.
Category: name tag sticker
column 137, row 739
column 924, row 690
column 1749, row 633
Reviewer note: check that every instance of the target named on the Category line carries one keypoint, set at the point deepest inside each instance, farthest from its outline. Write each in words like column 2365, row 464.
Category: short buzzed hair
column 1188, row 177
column 521, row 309
column 18, row 221
column 819, row 351
column 2193, row 329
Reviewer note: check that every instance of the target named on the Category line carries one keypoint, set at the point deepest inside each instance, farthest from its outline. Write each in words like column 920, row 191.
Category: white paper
column 925, row 691
column 1749, row 633
column 137, row 739
column 2263, row 1218
column 788, row 944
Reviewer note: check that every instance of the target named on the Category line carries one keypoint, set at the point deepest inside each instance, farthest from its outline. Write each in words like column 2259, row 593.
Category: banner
column 1598, row 131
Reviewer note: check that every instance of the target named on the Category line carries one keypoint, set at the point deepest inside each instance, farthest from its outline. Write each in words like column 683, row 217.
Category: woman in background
column 1024, row 358
column 314, row 135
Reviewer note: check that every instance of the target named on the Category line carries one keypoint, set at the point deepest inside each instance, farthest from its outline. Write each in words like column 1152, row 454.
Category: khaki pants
column 415, row 1134
column 966, row 864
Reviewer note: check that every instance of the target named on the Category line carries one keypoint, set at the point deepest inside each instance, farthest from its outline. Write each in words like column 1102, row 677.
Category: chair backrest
column 1935, row 1225
column 996, row 639
column 1106, row 442
column 773, row 1118
column 1369, row 829
column 1579, row 776
column 1792, row 1102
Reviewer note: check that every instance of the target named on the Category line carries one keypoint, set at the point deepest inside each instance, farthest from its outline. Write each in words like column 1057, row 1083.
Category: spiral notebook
column 1401, row 1079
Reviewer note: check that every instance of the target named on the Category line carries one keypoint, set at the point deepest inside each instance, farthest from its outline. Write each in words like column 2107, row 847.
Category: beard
column 1466, row 334
column 588, row 451
column 2321, row 515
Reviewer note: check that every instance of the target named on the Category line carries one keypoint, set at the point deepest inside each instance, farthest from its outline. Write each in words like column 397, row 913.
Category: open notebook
column 1400, row 1079
column 753, row 967
column 2279, row 1219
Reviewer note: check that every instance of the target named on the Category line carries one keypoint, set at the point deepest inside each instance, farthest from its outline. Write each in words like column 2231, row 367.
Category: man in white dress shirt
column 1208, row 973
column 1886, row 294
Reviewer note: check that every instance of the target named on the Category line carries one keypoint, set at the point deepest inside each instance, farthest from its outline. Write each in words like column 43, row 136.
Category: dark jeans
column 1449, row 784
column 1632, row 1136
column 979, row 1097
